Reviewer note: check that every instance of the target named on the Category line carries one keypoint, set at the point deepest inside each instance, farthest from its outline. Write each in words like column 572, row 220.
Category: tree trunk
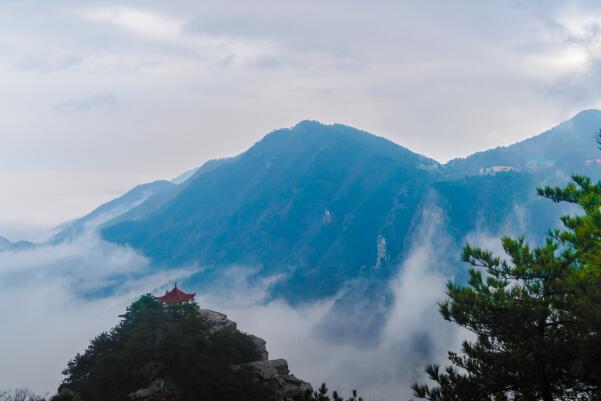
column 545, row 385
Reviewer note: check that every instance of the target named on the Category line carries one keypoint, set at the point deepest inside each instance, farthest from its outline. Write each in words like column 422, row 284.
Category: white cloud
column 144, row 23
column 48, row 319
column 561, row 60
column 568, row 45
column 414, row 334
column 181, row 70
column 156, row 26
column 100, row 101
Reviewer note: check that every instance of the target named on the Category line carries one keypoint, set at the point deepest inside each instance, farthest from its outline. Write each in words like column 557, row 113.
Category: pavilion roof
column 176, row 296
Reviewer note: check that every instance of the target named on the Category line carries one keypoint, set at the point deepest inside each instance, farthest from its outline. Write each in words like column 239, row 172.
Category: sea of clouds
column 48, row 314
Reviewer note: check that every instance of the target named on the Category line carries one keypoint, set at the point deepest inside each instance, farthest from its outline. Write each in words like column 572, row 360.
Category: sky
column 99, row 96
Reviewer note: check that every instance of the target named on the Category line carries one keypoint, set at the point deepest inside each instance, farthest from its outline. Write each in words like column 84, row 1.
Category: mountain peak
column 568, row 145
column 584, row 118
column 309, row 124
column 310, row 137
column 587, row 112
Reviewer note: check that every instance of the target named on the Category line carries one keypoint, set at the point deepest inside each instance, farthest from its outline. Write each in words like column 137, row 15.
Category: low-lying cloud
column 413, row 335
column 47, row 320
column 99, row 101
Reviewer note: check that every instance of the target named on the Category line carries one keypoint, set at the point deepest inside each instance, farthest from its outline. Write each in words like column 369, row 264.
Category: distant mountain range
column 566, row 147
column 5, row 245
column 111, row 211
column 322, row 204
column 330, row 208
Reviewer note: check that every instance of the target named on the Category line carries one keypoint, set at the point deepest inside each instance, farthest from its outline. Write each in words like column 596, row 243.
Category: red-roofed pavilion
column 175, row 296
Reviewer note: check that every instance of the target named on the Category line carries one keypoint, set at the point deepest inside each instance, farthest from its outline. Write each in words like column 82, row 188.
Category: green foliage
column 171, row 344
column 66, row 395
column 536, row 316
column 323, row 394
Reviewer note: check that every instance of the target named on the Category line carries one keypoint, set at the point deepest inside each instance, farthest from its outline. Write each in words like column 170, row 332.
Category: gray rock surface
column 218, row 321
column 261, row 347
column 276, row 375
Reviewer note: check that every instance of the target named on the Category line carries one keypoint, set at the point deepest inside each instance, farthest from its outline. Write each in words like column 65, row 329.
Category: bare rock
column 261, row 347
column 276, row 375
column 217, row 321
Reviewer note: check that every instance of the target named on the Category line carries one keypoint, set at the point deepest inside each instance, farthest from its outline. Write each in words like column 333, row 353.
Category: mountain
column 185, row 176
column 6, row 245
column 134, row 204
column 206, row 167
column 322, row 207
column 112, row 209
column 158, row 199
column 566, row 147
column 302, row 201
column 507, row 202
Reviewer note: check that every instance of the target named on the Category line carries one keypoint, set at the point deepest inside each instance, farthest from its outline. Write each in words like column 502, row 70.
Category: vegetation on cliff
column 169, row 347
column 536, row 316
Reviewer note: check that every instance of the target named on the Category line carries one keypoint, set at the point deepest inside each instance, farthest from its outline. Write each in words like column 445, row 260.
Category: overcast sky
column 97, row 97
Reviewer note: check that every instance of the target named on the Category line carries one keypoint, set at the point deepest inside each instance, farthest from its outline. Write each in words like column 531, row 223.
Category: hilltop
column 161, row 352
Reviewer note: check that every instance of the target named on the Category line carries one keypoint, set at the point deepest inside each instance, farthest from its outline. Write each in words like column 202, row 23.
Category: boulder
column 261, row 347
column 276, row 375
column 217, row 321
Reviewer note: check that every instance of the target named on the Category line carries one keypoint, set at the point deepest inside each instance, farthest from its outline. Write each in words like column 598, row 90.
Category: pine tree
column 169, row 343
column 536, row 315
column 323, row 394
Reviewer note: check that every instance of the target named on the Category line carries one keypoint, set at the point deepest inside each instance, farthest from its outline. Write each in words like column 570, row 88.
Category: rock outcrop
column 274, row 374
column 217, row 321
column 261, row 347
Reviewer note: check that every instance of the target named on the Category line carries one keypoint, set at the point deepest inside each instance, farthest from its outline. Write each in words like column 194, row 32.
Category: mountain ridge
column 264, row 197
column 213, row 163
column 538, row 146
column 322, row 206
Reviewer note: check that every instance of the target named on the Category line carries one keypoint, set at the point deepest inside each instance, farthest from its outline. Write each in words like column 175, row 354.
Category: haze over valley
column 300, row 181
column 347, row 236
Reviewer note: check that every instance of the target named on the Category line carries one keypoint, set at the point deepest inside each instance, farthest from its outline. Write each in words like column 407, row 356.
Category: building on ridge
column 176, row 296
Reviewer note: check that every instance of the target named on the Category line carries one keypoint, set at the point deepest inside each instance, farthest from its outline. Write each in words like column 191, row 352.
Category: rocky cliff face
column 274, row 374
column 219, row 321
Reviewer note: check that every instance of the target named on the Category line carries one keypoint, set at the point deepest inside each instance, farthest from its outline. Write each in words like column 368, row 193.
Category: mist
column 54, row 300
column 101, row 79
column 413, row 335
column 46, row 309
